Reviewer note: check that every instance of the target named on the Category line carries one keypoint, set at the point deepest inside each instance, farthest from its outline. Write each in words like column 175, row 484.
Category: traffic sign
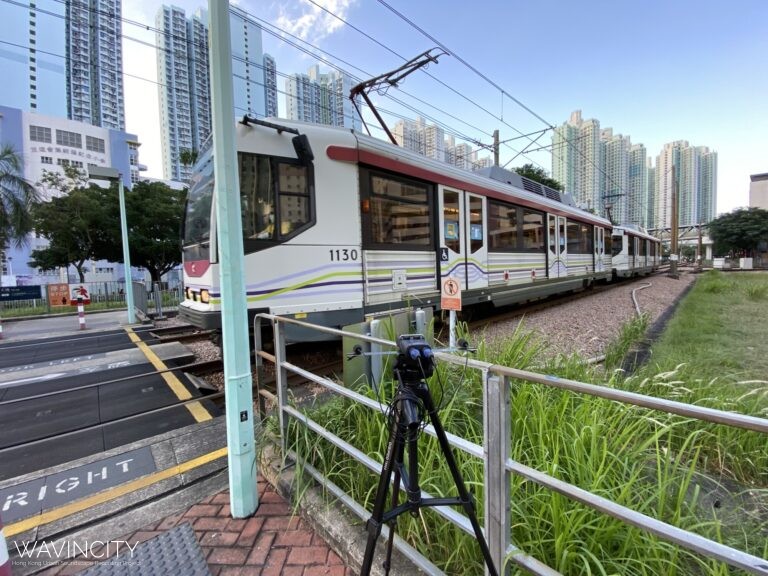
column 58, row 295
column 450, row 295
column 76, row 291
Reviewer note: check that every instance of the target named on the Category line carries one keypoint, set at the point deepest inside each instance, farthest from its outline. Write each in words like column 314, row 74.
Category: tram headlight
column 205, row 298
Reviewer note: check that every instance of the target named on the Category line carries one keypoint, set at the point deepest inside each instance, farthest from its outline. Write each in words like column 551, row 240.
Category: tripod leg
column 394, row 449
column 466, row 499
column 395, row 502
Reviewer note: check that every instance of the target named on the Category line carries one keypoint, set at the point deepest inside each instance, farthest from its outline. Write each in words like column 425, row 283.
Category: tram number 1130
column 343, row 255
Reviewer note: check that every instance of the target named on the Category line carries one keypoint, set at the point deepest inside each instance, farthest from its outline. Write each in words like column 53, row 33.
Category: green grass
column 668, row 467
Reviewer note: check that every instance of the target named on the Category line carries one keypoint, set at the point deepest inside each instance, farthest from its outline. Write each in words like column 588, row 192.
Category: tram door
column 557, row 247
column 463, row 247
column 599, row 249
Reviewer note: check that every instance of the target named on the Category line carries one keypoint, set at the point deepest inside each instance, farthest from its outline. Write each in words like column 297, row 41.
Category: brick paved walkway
column 271, row 542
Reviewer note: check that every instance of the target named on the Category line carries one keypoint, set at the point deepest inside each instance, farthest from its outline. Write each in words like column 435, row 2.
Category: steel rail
column 215, row 396
column 105, row 383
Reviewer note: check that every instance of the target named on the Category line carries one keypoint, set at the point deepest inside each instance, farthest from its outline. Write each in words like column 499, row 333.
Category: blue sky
column 658, row 70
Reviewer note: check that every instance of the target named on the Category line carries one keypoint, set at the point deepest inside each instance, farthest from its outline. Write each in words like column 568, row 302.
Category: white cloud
column 310, row 22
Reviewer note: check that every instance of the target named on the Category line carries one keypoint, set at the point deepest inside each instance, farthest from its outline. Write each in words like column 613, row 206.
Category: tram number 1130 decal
column 343, row 255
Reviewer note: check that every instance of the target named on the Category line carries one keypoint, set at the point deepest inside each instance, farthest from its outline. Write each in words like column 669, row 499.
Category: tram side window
column 514, row 229
column 398, row 213
column 533, row 231
column 580, row 238
column 257, row 197
column 275, row 197
column 643, row 247
column 618, row 245
column 502, row 227
column 608, row 244
column 451, row 214
column 294, row 198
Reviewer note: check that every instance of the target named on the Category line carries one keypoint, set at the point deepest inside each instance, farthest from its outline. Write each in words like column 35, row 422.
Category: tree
column 53, row 181
column 188, row 157
column 74, row 225
column 154, row 213
column 539, row 175
column 740, row 232
column 16, row 199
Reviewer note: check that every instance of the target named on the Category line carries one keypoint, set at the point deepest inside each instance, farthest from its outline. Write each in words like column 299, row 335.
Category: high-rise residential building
column 185, row 86
column 94, row 53
column 410, row 135
column 247, row 64
column 707, row 206
column 564, row 152
column 636, row 199
column 758, row 191
column 577, row 161
column 668, row 158
column 175, row 93
column 695, row 169
column 199, row 78
column 429, row 140
column 64, row 59
column 270, row 86
column 614, row 151
column 650, row 207
column 426, row 139
column 321, row 98
column 32, row 57
column 48, row 143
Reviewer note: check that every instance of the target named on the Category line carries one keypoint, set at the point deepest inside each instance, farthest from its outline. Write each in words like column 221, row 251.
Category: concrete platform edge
column 169, row 449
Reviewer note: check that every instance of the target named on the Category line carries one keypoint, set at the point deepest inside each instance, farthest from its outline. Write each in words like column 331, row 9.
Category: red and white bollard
column 5, row 561
column 81, row 312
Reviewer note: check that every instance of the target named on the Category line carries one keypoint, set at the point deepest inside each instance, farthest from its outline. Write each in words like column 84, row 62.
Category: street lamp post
column 110, row 175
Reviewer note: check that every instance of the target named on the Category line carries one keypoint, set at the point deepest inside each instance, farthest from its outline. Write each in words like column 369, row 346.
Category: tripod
column 412, row 402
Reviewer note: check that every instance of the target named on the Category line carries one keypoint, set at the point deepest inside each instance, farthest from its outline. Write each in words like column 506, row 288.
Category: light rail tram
column 338, row 225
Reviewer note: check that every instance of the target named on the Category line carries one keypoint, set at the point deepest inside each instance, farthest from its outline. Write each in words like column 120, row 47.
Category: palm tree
column 16, row 197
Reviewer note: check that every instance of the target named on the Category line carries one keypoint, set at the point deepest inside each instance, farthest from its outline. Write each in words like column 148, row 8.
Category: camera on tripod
column 415, row 360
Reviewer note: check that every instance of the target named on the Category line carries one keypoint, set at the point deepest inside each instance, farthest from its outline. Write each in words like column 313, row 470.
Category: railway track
column 517, row 310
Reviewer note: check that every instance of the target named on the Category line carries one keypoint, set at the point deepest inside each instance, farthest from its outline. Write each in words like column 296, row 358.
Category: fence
column 148, row 298
column 495, row 452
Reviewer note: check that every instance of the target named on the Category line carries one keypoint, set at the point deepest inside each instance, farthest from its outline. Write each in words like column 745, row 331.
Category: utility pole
column 495, row 147
column 673, row 243
column 241, row 452
column 699, row 247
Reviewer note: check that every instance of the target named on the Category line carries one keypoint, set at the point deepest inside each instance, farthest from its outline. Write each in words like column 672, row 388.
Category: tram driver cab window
column 275, row 197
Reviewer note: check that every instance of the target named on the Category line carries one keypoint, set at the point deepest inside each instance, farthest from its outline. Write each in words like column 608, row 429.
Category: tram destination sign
column 8, row 293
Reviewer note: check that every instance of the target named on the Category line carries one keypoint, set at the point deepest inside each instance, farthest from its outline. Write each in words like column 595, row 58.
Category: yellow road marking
column 197, row 410
column 112, row 493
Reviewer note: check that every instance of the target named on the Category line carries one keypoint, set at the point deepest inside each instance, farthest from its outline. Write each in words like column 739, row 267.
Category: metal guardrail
column 104, row 295
column 495, row 452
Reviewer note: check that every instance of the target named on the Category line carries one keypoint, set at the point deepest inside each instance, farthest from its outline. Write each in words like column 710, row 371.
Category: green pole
column 243, row 492
column 126, row 252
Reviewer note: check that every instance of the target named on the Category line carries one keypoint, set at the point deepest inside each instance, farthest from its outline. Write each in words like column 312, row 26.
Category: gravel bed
column 586, row 326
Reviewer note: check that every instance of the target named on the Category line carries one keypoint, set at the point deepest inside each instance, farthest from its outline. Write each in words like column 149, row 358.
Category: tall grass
column 671, row 468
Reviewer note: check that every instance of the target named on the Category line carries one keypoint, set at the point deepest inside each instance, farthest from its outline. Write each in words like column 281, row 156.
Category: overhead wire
column 436, row 79
column 446, row 128
column 492, row 83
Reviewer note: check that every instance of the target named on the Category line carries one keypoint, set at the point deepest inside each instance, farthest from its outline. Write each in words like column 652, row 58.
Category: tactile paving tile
column 173, row 552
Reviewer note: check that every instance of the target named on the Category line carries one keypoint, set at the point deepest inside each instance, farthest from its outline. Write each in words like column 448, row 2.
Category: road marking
column 197, row 410
column 112, row 494
column 34, row 379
